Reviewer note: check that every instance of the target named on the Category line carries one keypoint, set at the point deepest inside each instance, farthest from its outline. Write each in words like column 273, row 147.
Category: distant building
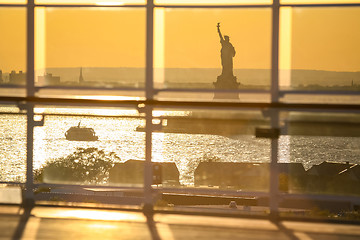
column 17, row 78
column 132, row 172
column 241, row 175
column 321, row 177
column 1, row 79
column 81, row 78
column 48, row 79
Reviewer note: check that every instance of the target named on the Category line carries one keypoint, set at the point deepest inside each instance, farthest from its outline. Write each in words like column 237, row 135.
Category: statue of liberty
column 226, row 80
column 227, row 54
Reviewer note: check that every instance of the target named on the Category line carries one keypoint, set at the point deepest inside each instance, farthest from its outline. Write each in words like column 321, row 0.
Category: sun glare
column 96, row 2
column 113, row 3
column 183, row 2
column 285, row 43
column 107, row 98
column 92, row 215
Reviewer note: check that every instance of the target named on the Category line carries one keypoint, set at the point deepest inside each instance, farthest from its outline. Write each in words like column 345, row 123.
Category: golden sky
column 331, row 40
column 12, row 40
column 313, row 38
column 94, row 38
column 191, row 38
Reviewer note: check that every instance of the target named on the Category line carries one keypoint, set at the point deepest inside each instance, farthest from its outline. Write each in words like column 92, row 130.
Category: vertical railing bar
column 275, row 52
column 30, row 65
column 274, row 179
column 29, row 186
column 149, row 84
column 148, row 194
column 273, row 203
column 149, row 88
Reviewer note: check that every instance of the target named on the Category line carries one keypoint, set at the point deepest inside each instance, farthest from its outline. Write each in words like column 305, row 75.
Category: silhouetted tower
column 81, row 78
column 1, row 79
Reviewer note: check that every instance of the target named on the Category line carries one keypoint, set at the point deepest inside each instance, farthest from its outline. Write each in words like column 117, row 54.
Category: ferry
column 79, row 133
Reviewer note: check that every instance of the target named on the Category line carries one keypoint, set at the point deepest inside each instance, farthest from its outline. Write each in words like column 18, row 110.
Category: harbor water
column 121, row 136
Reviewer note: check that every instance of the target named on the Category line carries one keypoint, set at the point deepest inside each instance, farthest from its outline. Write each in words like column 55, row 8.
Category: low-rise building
column 17, row 78
column 240, row 175
column 132, row 172
column 48, row 79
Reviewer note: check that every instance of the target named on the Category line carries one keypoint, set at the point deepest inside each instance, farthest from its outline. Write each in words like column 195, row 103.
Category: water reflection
column 122, row 136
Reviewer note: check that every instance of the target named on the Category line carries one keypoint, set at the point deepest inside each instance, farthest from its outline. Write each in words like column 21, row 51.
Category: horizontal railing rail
column 182, row 104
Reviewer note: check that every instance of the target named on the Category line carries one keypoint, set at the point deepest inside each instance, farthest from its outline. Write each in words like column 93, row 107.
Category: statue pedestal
column 226, row 83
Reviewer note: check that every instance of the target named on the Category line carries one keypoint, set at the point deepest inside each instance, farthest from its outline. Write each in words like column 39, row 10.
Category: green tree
column 85, row 165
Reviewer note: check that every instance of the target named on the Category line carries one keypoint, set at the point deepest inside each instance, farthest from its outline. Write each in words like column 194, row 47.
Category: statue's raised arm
column 220, row 35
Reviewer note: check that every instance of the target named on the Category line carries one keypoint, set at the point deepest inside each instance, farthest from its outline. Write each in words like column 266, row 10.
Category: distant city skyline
column 186, row 78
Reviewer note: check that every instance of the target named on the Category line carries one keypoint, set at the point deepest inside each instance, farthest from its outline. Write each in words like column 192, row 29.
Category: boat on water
column 79, row 133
